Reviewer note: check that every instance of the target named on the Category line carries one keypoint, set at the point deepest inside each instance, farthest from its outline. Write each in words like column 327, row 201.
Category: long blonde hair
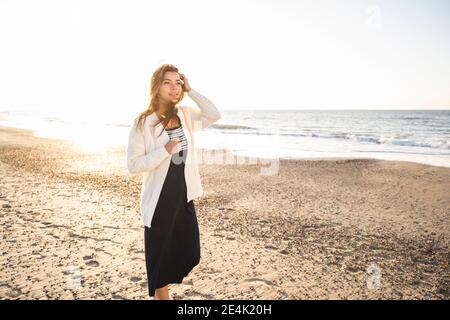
column 155, row 84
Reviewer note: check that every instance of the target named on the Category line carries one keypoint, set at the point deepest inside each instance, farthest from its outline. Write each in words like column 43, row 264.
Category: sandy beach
column 318, row 229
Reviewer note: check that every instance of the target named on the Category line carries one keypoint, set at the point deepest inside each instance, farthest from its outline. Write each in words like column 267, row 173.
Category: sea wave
column 399, row 139
column 231, row 127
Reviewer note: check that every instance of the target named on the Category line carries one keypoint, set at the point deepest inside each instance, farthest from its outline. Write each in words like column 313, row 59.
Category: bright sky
column 97, row 56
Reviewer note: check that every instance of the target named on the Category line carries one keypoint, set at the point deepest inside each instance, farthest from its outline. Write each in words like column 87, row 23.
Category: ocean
column 406, row 135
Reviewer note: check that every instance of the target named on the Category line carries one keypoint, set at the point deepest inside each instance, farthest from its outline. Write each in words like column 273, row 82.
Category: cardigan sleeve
column 137, row 160
column 206, row 113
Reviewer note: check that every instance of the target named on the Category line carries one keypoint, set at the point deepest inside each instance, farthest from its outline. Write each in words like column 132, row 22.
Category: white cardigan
column 147, row 155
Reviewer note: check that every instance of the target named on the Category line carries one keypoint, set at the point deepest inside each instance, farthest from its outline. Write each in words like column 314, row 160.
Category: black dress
column 172, row 244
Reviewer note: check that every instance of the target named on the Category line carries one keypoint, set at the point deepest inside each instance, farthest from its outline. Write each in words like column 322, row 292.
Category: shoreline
column 418, row 158
column 314, row 230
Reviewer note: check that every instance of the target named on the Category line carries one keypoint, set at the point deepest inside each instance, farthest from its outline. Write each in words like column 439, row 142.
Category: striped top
column 178, row 133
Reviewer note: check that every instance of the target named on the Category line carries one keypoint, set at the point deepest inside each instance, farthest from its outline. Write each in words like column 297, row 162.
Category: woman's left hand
column 185, row 80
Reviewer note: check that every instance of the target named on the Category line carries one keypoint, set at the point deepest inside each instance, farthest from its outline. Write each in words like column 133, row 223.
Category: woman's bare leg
column 162, row 293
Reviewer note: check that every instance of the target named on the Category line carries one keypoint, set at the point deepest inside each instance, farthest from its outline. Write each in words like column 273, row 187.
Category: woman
column 161, row 147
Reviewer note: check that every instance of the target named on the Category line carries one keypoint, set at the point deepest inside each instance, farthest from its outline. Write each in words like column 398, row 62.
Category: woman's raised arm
column 206, row 113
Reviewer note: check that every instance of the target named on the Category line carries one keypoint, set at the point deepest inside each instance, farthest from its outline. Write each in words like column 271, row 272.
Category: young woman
column 161, row 148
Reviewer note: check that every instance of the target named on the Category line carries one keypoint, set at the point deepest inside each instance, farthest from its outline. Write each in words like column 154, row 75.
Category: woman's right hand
column 173, row 146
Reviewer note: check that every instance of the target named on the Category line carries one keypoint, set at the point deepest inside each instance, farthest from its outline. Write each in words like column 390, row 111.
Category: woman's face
column 171, row 87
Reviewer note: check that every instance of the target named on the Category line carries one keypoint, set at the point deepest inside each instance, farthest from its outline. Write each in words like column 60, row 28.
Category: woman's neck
column 163, row 108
